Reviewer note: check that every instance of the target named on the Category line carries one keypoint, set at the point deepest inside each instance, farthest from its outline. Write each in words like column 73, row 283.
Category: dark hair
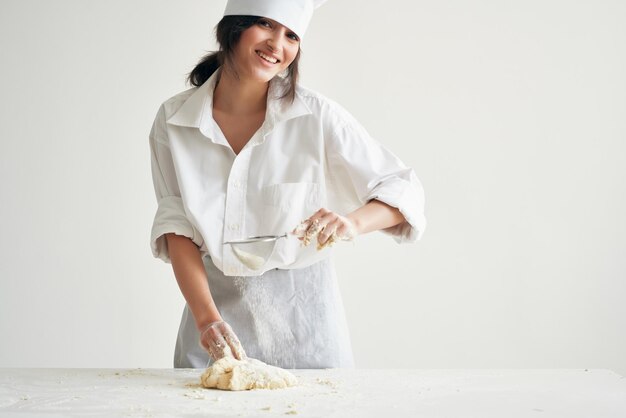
column 228, row 32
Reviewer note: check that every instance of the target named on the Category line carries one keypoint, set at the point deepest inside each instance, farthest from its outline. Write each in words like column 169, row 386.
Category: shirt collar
column 197, row 110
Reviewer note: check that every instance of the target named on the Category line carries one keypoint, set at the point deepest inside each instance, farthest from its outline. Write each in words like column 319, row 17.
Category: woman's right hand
column 219, row 339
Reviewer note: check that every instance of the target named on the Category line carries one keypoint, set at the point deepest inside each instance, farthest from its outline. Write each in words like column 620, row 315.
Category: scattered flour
column 274, row 338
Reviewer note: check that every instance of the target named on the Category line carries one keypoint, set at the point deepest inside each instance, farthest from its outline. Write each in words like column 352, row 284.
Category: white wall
column 511, row 113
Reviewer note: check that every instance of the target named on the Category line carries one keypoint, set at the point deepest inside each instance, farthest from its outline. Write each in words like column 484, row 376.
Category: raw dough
column 232, row 374
column 308, row 231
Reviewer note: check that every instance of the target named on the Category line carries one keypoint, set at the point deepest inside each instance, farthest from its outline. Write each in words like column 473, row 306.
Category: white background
column 511, row 113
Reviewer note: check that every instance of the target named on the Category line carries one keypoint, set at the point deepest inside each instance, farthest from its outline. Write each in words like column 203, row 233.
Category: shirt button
column 233, row 227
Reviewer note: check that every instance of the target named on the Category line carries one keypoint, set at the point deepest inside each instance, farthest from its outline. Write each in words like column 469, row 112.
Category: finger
column 232, row 342
column 301, row 228
column 211, row 352
column 212, row 331
column 235, row 346
column 206, row 341
column 218, row 346
column 227, row 352
column 311, row 231
column 243, row 354
column 314, row 226
column 329, row 225
column 317, row 216
column 325, row 234
column 237, row 351
column 211, row 334
column 328, row 243
column 220, row 343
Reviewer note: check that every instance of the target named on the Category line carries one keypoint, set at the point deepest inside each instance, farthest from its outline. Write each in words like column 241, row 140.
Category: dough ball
column 231, row 374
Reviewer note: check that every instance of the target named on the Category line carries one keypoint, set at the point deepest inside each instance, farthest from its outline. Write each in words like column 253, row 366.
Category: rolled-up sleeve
column 376, row 173
column 170, row 216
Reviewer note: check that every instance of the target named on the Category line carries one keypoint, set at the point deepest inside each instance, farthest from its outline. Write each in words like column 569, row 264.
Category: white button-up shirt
column 308, row 154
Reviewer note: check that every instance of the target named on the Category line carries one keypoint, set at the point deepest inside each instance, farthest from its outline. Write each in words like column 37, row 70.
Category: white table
column 321, row 393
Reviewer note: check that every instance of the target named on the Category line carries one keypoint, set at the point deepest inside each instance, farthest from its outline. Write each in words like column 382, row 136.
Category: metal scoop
column 254, row 252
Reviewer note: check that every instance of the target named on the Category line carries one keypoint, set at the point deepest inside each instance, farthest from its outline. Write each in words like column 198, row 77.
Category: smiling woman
column 250, row 152
column 228, row 33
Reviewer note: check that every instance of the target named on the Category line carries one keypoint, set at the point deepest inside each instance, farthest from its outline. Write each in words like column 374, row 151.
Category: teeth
column 267, row 58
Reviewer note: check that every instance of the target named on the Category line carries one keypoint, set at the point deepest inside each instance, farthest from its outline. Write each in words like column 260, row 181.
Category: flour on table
column 231, row 374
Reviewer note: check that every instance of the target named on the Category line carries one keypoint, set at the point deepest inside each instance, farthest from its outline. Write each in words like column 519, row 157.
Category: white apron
column 292, row 319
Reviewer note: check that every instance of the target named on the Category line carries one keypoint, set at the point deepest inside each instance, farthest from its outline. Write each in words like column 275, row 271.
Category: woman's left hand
column 329, row 228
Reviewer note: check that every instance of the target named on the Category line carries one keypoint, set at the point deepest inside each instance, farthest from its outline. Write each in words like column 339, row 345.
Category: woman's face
column 265, row 49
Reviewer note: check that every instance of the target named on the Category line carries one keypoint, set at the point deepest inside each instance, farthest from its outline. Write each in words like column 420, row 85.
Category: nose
column 274, row 42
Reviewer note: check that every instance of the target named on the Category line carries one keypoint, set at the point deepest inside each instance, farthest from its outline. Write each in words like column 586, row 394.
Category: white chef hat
column 294, row 14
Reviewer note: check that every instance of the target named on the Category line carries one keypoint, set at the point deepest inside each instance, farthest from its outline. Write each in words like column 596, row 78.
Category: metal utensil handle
column 262, row 238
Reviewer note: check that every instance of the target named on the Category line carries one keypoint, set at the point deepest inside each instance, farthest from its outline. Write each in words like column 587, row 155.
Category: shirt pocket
column 291, row 196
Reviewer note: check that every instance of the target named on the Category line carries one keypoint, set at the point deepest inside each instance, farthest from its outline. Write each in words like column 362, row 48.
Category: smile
column 267, row 57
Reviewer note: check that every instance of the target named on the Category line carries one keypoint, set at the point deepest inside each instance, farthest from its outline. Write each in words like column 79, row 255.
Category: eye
column 265, row 23
column 293, row 36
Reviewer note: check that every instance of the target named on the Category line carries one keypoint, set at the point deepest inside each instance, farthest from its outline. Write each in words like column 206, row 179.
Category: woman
column 248, row 152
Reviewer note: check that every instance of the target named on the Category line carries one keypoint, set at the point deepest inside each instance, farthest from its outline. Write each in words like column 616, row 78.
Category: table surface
column 351, row 393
